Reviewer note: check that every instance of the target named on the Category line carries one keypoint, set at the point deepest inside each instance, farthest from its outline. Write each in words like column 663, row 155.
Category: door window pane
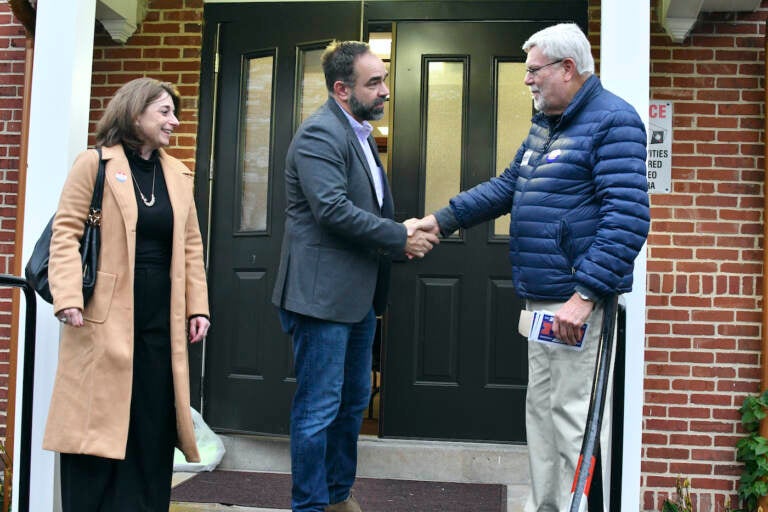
column 513, row 120
column 381, row 126
column 311, row 88
column 257, row 124
column 444, row 132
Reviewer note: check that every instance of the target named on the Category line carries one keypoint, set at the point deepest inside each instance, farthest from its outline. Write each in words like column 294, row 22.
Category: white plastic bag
column 208, row 444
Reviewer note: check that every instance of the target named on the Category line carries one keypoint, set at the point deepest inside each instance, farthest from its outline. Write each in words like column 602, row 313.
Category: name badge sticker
column 526, row 157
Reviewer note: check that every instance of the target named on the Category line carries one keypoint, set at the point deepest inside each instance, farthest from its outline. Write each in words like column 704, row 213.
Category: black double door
column 453, row 365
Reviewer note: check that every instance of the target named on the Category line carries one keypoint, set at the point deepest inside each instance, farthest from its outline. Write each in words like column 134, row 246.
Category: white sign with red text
column 659, row 163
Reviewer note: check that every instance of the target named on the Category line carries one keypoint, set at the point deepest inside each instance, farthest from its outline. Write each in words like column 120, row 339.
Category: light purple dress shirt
column 363, row 131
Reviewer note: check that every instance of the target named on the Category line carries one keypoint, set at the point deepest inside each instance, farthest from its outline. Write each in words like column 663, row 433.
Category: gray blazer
column 335, row 257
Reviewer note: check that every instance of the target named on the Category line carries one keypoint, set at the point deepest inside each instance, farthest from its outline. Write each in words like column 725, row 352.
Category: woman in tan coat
column 121, row 396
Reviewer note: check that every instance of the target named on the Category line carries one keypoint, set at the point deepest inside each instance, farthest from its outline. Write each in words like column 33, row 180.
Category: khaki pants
column 557, row 404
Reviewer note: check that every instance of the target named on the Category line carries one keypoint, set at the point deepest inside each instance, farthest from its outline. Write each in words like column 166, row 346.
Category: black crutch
column 586, row 464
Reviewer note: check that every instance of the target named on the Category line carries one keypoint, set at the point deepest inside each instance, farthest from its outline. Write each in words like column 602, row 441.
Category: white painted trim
column 58, row 131
column 121, row 17
column 679, row 16
column 119, row 29
column 624, row 69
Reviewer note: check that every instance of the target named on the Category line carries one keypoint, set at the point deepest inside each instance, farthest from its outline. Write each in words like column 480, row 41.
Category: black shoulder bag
column 36, row 270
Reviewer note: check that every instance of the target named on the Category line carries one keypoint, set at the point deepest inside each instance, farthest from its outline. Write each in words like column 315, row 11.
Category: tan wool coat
column 90, row 407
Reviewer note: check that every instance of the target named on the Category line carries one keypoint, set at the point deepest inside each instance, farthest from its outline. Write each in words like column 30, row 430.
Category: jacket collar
column 334, row 107
column 590, row 88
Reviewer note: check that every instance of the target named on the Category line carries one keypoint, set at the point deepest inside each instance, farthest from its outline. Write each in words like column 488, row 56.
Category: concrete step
column 401, row 459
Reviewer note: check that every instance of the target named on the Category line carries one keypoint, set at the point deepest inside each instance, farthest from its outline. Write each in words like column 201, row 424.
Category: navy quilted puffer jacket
column 577, row 194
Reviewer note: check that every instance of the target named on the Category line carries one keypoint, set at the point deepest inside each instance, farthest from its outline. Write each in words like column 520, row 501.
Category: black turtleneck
column 154, row 228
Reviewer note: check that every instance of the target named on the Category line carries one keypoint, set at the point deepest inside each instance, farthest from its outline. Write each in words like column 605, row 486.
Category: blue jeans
column 332, row 362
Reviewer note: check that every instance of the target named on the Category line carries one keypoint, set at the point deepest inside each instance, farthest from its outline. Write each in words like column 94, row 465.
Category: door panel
column 268, row 80
column 455, row 366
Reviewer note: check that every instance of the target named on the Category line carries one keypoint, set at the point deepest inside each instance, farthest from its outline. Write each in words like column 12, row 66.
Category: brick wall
column 166, row 46
column 705, row 258
column 12, row 63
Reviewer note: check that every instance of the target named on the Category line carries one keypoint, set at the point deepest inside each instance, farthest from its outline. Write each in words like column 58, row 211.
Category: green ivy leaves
column 751, row 451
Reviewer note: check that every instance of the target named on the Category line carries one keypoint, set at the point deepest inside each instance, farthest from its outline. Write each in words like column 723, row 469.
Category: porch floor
column 384, row 458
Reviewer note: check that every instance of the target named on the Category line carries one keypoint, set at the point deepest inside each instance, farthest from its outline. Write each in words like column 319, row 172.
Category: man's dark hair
column 338, row 61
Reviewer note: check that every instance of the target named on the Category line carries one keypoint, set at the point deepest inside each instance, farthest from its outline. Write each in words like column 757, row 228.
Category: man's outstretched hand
column 422, row 236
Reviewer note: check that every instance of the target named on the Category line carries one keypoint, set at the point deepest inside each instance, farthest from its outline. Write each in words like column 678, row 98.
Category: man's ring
column 63, row 319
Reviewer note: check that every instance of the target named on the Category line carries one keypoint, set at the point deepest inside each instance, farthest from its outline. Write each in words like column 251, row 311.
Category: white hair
column 561, row 41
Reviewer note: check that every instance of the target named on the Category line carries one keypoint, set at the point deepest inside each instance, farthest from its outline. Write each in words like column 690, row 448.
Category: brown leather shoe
column 348, row 505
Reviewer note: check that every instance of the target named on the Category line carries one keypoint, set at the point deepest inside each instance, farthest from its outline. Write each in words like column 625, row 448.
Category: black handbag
column 36, row 270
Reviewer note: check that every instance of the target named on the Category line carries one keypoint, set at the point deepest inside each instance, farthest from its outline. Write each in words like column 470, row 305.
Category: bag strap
column 94, row 214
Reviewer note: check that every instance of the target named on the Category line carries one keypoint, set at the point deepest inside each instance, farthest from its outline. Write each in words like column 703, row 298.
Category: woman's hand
column 198, row 328
column 71, row 316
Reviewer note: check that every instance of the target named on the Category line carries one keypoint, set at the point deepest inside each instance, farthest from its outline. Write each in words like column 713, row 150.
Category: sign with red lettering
column 659, row 162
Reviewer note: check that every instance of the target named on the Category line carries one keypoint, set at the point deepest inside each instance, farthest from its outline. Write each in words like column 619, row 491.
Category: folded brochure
column 540, row 329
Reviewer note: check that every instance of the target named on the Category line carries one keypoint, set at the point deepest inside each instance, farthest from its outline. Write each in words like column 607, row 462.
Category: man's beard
column 540, row 103
column 366, row 112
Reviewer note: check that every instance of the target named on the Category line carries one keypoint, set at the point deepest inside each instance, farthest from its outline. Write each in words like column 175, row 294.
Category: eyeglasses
column 534, row 70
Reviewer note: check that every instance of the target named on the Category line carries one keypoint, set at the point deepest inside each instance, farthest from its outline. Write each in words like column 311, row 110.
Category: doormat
column 273, row 490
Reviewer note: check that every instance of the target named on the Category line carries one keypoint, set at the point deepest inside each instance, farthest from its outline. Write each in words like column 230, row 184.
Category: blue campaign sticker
column 553, row 155
column 121, row 176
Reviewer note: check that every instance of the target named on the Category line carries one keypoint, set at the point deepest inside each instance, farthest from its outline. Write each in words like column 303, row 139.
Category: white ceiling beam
column 678, row 16
column 120, row 18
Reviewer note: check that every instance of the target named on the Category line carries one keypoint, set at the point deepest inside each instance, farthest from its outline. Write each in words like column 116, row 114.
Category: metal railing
column 28, row 357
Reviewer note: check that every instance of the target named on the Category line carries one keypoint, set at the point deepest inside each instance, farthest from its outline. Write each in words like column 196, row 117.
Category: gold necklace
column 151, row 201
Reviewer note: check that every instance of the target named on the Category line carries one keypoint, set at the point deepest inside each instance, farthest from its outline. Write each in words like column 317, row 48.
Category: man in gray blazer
column 334, row 273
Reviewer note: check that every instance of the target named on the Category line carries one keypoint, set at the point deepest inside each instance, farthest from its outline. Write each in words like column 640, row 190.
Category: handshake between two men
column 422, row 236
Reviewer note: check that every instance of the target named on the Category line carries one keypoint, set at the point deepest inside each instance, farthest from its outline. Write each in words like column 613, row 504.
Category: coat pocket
column 98, row 307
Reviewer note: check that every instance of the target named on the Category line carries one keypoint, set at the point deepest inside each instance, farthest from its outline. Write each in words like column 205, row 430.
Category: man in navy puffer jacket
column 577, row 194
